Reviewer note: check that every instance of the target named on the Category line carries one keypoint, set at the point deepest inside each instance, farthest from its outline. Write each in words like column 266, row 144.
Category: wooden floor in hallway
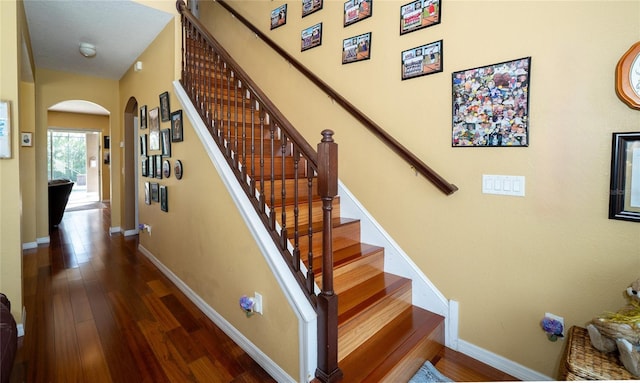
column 98, row 311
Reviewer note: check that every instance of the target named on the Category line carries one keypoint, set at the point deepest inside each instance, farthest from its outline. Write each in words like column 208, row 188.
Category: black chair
column 59, row 192
column 8, row 339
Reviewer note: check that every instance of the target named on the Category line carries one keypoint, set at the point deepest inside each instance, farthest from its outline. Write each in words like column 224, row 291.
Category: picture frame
column 147, row 193
column 144, row 167
column 311, row 6
column 419, row 14
column 165, row 110
column 143, row 117
column 356, row 48
column 26, row 139
column 158, row 166
column 166, row 169
column 166, row 142
column 279, row 16
column 151, row 166
column 311, row 37
column 143, row 144
column 154, row 129
column 422, row 60
column 5, row 129
column 491, row 105
column 176, row 126
column 177, row 169
column 106, row 142
column 164, row 198
column 357, row 10
column 155, row 197
column 624, row 196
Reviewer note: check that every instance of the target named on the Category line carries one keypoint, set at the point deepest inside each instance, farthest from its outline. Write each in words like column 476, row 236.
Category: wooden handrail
column 419, row 166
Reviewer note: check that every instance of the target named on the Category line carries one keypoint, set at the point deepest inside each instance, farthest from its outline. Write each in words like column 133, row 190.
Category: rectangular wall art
column 491, row 105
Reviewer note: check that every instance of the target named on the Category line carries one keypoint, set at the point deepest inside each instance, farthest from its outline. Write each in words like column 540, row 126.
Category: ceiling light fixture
column 87, row 50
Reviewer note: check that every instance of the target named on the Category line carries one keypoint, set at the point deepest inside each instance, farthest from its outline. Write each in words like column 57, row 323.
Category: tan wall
column 82, row 121
column 203, row 239
column 53, row 87
column 28, row 164
column 10, row 207
column 507, row 260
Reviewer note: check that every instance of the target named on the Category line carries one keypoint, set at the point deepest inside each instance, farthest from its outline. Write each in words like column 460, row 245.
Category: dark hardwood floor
column 99, row 311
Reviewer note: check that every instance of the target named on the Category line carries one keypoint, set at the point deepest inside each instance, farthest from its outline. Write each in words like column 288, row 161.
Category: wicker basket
column 583, row 362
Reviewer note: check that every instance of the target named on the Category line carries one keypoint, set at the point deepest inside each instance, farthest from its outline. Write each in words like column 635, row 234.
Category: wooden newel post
column 328, row 370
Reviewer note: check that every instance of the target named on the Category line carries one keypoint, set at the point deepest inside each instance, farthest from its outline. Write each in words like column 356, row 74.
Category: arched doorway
column 130, row 176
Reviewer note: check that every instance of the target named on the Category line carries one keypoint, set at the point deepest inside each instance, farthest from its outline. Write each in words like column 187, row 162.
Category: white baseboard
column 128, row 233
column 43, row 240
column 254, row 352
column 29, row 245
column 115, row 229
column 503, row 364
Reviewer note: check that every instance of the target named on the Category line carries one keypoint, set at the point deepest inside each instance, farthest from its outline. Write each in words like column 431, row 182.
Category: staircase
column 381, row 335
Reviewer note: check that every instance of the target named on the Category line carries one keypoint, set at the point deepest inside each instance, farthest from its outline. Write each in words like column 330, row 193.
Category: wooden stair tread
column 348, row 254
column 364, row 295
column 462, row 368
column 316, row 227
column 387, row 347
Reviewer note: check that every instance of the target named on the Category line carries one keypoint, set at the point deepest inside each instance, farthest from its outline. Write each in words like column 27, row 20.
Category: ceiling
column 120, row 30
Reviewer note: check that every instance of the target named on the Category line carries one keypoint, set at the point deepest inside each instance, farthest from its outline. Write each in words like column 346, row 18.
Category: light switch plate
column 503, row 185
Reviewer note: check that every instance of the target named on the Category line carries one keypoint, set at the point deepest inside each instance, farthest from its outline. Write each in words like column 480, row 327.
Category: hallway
column 99, row 311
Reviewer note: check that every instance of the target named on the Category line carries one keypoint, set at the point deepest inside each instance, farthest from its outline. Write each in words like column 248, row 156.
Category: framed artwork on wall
column 165, row 110
column 166, row 142
column 624, row 196
column 357, row 10
column 154, row 192
column 356, row 48
column 143, row 144
column 151, row 166
column 166, row 168
column 311, row 37
column 279, row 16
column 164, row 198
column 177, row 169
column 419, row 14
column 154, row 129
column 176, row 126
column 310, row 6
column 422, row 60
column 147, row 193
column 158, row 165
column 26, row 139
column 491, row 105
column 143, row 117
column 144, row 169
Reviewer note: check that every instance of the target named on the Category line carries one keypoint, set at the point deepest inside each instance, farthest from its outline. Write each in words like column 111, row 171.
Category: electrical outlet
column 558, row 318
column 257, row 303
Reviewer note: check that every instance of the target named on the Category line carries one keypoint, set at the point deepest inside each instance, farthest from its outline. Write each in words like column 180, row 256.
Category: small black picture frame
column 158, row 166
column 177, row 169
column 143, row 117
column 356, row 48
column 422, row 60
column 143, row 144
column 279, row 16
column 147, row 193
column 154, row 192
column 624, row 196
column 166, row 169
column 144, row 168
column 177, row 133
column 164, row 198
column 311, row 37
column 357, row 10
column 419, row 14
column 166, row 142
column 165, row 110
column 311, row 6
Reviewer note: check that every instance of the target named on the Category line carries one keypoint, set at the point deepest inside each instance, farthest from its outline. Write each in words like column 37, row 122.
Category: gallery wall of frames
column 158, row 138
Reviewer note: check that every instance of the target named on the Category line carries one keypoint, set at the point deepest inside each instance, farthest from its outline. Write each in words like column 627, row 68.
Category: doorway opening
column 75, row 155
